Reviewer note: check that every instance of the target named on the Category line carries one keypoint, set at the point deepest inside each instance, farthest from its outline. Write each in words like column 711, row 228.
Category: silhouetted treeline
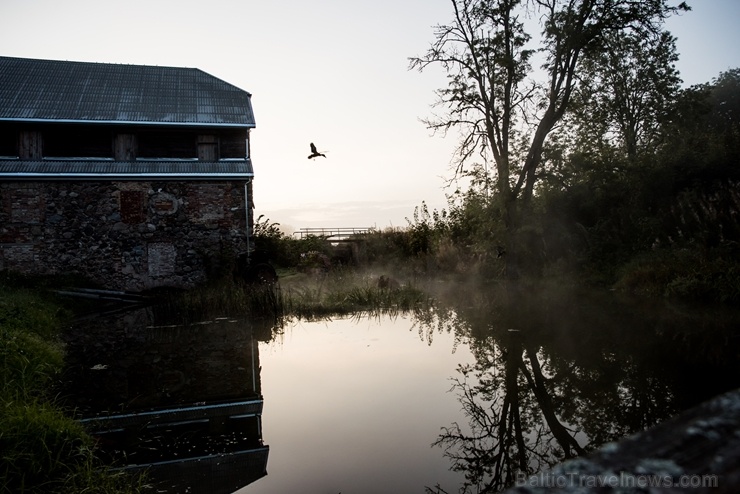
column 661, row 218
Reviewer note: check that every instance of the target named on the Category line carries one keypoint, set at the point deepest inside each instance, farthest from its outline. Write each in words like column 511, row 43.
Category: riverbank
column 44, row 449
column 49, row 452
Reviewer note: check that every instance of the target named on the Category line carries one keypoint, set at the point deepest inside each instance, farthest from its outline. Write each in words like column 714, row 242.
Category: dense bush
column 285, row 251
column 683, row 274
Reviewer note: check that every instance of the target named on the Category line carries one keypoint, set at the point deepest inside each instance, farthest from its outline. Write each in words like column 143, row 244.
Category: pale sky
column 332, row 72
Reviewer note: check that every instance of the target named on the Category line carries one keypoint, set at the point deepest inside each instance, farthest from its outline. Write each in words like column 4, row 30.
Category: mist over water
column 401, row 403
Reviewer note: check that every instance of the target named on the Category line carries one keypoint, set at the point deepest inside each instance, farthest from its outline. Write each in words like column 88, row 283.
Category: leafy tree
column 606, row 148
column 680, row 190
column 493, row 96
column 627, row 91
column 725, row 101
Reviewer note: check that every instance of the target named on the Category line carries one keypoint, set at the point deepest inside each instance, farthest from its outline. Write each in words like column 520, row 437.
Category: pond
column 460, row 396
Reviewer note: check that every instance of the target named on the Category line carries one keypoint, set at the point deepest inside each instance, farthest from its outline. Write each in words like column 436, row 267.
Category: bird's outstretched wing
column 315, row 153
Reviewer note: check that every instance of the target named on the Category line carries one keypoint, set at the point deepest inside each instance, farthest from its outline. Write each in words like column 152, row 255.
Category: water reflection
column 354, row 403
column 558, row 373
column 183, row 401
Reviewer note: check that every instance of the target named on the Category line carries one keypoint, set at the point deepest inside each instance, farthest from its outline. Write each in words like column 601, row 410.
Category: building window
column 77, row 142
column 124, row 147
column 157, row 145
column 30, row 145
column 26, row 205
column 8, row 143
column 161, row 259
column 208, row 147
column 133, row 206
column 233, row 144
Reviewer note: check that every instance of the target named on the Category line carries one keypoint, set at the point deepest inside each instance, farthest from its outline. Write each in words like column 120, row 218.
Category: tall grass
column 29, row 354
column 43, row 449
column 344, row 292
column 308, row 295
column 225, row 297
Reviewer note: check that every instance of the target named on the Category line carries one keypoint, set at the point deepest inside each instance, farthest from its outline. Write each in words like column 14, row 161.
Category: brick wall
column 123, row 235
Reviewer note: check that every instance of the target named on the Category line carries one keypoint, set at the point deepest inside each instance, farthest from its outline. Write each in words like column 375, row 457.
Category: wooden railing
column 332, row 234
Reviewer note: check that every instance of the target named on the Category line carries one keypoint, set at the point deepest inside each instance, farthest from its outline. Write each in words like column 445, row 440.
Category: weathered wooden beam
column 125, row 147
column 30, row 145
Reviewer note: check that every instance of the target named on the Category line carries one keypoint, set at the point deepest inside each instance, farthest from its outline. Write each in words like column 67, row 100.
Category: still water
column 354, row 405
column 457, row 397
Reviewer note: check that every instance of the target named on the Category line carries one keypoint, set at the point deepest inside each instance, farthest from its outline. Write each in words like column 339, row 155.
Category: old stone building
column 132, row 176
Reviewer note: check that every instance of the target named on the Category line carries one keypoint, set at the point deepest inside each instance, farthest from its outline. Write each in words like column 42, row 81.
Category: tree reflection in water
column 512, row 425
column 556, row 376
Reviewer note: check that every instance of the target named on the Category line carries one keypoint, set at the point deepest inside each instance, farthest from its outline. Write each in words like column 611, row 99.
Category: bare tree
column 494, row 97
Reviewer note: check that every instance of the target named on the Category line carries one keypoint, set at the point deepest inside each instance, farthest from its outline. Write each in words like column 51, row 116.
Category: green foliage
column 223, row 296
column 425, row 228
column 25, row 309
column 345, row 292
column 631, row 67
column 43, row 450
column 504, row 109
column 29, row 355
column 40, row 446
column 389, row 247
column 27, row 362
column 286, row 251
column 685, row 275
column 265, row 229
column 614, row 210
column 267, row 236
column 612, row 197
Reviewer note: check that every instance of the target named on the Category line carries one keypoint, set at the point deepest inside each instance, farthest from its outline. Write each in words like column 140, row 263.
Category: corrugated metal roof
column 51, row 90
column 122, row 170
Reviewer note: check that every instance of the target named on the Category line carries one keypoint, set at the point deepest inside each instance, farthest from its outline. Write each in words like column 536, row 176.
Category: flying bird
column 314, row 153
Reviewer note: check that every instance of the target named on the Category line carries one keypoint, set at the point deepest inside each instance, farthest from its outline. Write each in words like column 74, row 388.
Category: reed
column 225, row 298
column 45, row 451
column 345, row 293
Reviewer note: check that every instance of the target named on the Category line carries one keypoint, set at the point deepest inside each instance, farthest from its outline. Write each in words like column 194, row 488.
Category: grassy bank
column 44, row 450
column 299, row 293
column 467, row 242
column 310, row 295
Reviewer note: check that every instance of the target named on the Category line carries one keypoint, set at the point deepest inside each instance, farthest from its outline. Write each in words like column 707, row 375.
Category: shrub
column 684, row 274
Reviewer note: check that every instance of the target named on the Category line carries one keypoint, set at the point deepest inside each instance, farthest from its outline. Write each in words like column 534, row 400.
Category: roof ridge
column 54, row 60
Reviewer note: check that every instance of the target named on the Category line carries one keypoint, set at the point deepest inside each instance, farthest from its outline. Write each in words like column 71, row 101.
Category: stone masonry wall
column 123, row 235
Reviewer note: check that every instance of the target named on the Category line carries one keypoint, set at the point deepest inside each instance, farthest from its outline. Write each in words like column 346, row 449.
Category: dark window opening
column 133, row 206
column 8, row 142
column 78, row 142
column 233, row 145
column 167, row 145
